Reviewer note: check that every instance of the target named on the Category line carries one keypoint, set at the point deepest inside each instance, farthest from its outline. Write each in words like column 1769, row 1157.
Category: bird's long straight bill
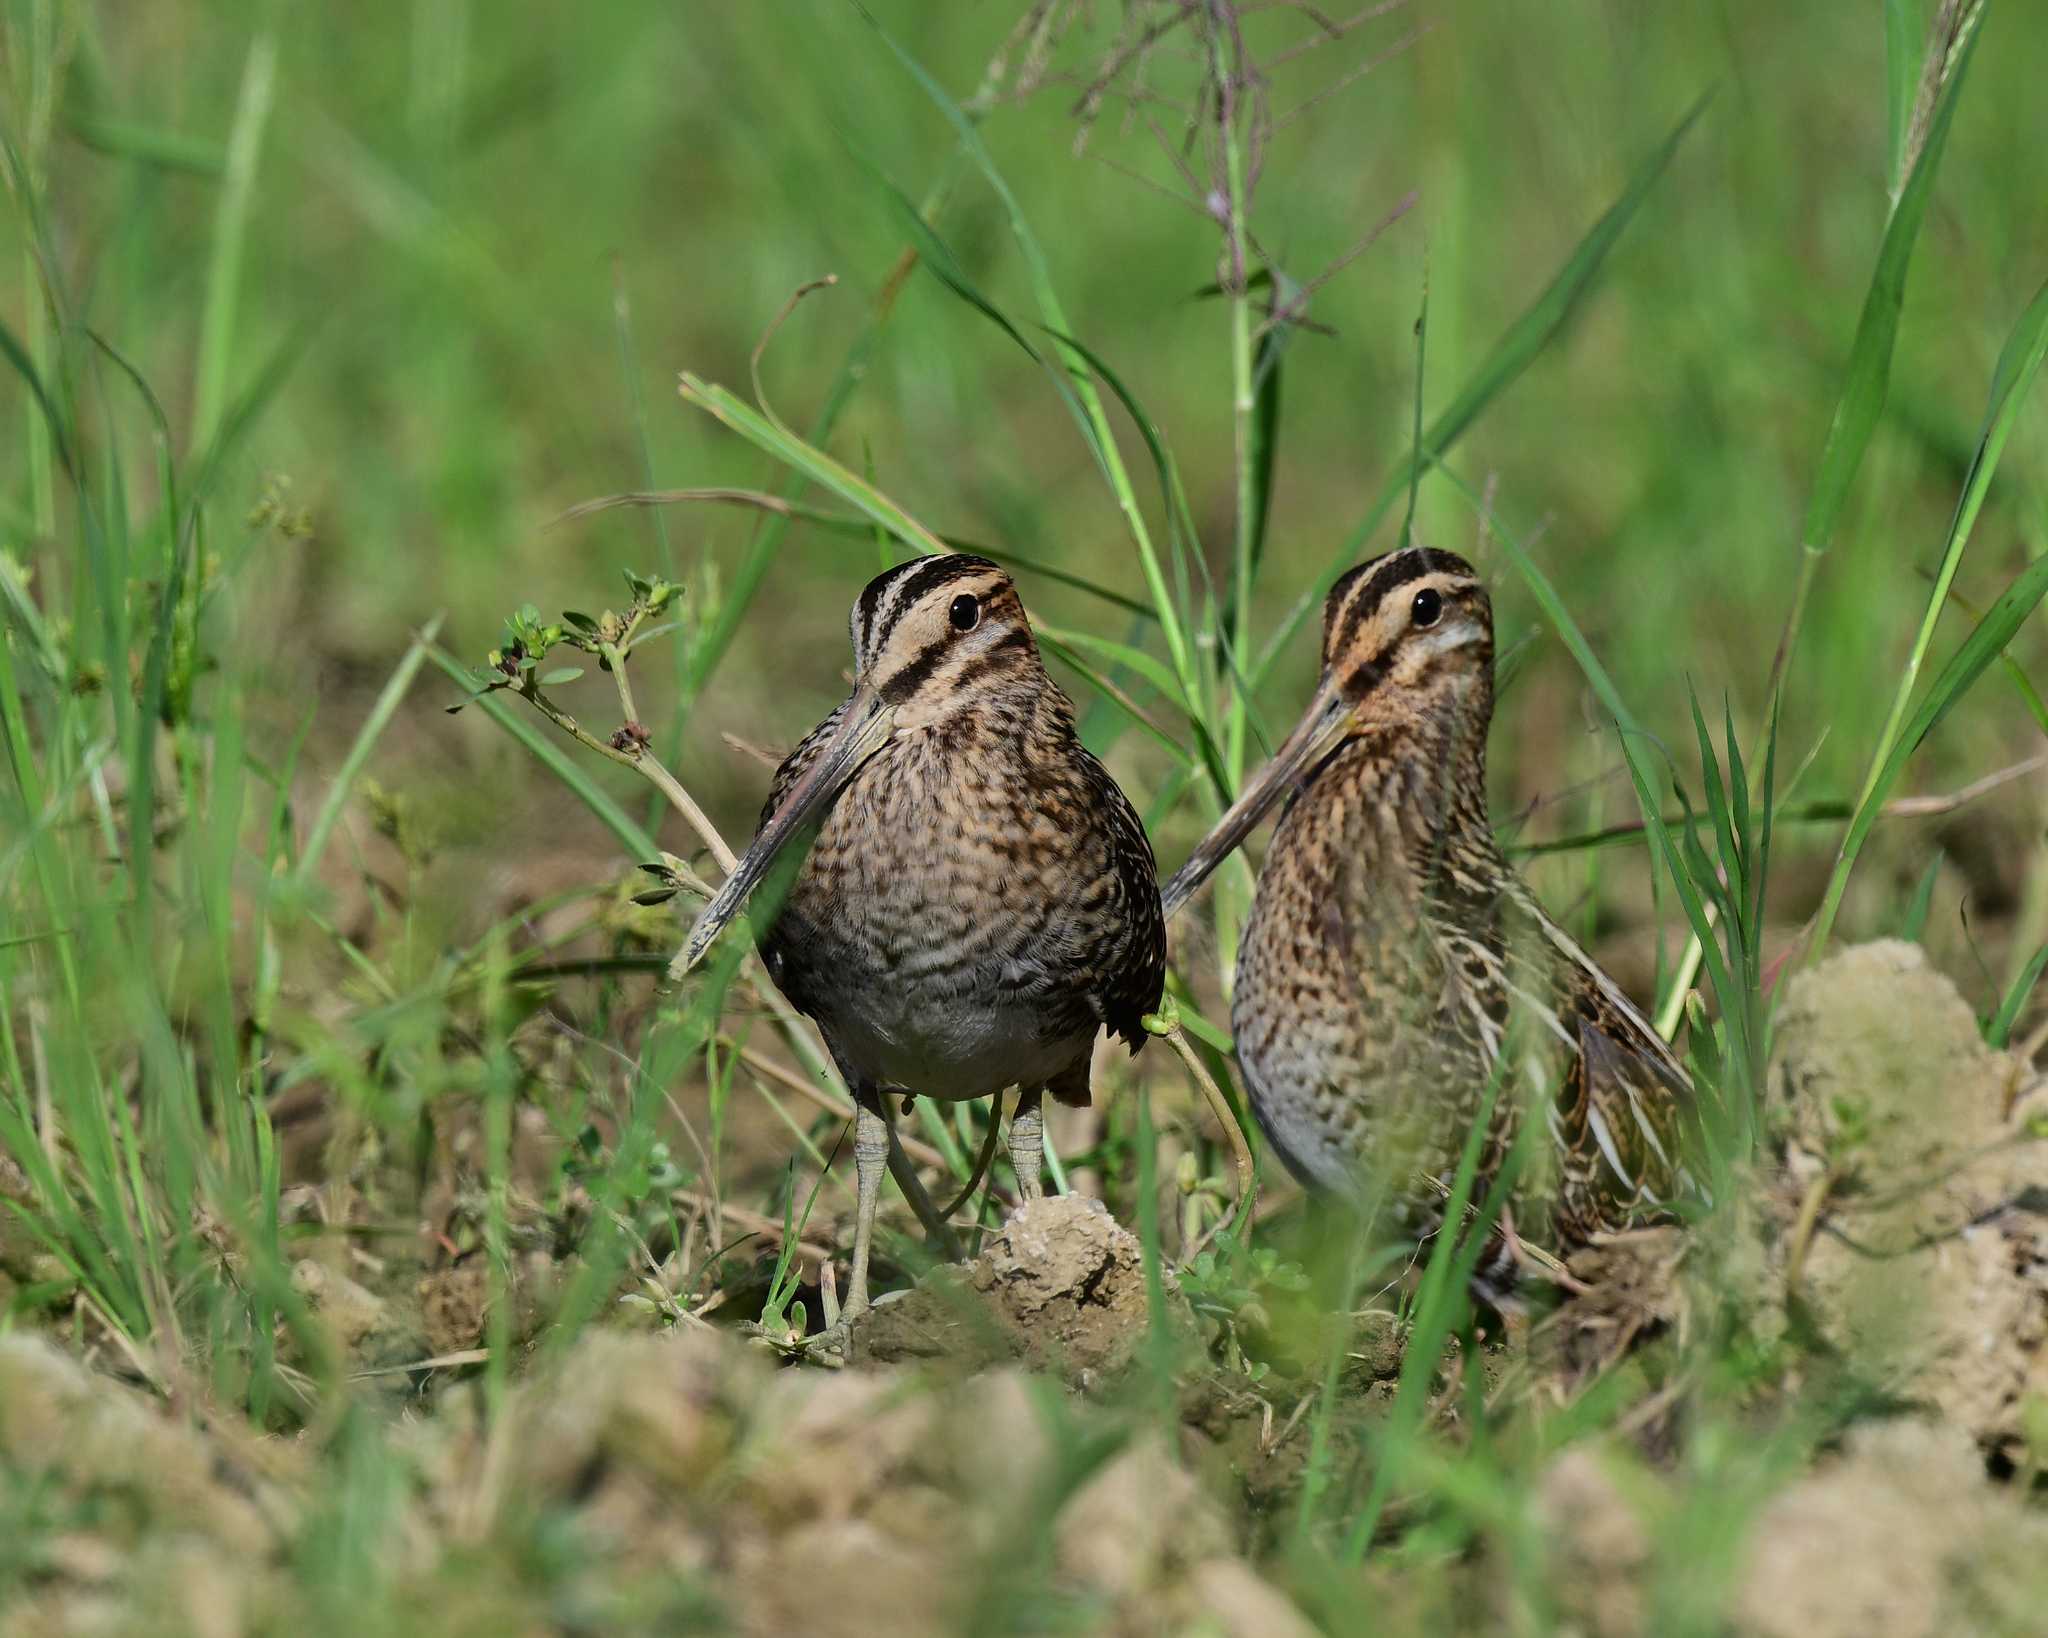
column 867, row 725
column 1320, row 731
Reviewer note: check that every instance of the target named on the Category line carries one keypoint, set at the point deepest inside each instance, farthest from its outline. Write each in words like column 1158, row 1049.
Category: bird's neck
column 1014, row 710
column 1417, row 784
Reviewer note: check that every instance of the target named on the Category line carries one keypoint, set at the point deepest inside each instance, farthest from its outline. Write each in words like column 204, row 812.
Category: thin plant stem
column 647, row 766
column 1241, row 397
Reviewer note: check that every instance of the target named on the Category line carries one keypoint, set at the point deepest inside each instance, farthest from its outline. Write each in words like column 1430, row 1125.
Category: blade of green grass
column 811, row 461
column 149, row 144
column 1999, row 1031
column 2019, row 361
column 1053, row 315
column 840, row 523
column 1914, row 924
column 1440, row 1307
column 396, row 687
column 54, row 423
column 1870, row 362
column 1903, row 33
column 1979, row 649
column 230, row 229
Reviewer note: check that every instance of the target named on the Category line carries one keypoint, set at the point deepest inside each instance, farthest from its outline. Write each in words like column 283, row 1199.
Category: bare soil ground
column 992, row 1432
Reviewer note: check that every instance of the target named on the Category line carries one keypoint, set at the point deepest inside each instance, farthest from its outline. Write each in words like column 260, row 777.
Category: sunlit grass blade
column 809, row 460
column 1979, row 650
column 1999, row 1030
column 1133, row 659
column 1868, row 377
column 230, row 229
column 938, row 259
column 1114, row 696
column 1053, row 314
column 151, row 144
column 2018, row 363
column 841, row 523
column 392, row 696
column 1902, row 51
column 1540, row 324
column 57, row 426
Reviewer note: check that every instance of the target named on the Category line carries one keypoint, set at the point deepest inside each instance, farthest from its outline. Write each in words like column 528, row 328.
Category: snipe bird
column 1395, row 969
column 980, row 898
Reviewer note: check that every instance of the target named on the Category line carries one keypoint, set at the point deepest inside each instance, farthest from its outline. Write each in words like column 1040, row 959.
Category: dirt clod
column 1061, row 1288
column 165, row 1520
column 1911, row 1149
column 1899, row 1538
column 849, row 1502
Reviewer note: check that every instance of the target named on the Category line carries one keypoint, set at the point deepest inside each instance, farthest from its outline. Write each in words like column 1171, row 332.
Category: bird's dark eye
column 1428, row 605
column 966, row 612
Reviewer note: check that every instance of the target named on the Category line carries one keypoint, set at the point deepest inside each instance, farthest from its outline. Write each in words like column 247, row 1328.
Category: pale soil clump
column 166, row 1529
column 699, row 1483
column 857, row 1501
column 1060, row 1288
column 1917, row 1156
column 1899, row 1535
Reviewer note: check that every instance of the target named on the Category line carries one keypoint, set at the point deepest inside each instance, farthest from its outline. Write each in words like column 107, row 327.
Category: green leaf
column 1266, row 382
column 566, row 674
column 1133, row 659
column 1980, row 648
column 230, row 228
column 60, row 432
column 1054, row 317
column 1114, row 695
column 167, row 150
column 1915, row 923
column 381, row 713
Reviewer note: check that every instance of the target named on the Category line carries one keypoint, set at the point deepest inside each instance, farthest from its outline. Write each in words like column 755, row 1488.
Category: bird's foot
column 832, row 1348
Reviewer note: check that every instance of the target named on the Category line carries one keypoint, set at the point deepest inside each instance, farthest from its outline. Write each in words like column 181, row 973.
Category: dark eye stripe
column 994, row 658
column 1362, row 681
column 915, row 675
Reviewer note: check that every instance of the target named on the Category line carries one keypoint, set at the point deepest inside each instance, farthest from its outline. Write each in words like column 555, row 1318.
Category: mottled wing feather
column 1623, row 1100
column 1132, row 986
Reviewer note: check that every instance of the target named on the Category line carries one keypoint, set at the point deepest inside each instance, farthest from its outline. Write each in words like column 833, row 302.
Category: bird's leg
column 870, row 1160
column 933, row 1221
column 1027, row 1145
column 870, row 1157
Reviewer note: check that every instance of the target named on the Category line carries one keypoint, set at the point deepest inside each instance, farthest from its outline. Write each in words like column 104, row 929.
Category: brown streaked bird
column 1394, row 966
column 980, row 898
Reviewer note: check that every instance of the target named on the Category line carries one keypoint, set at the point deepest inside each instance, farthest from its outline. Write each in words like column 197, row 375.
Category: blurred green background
column 453, row 204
